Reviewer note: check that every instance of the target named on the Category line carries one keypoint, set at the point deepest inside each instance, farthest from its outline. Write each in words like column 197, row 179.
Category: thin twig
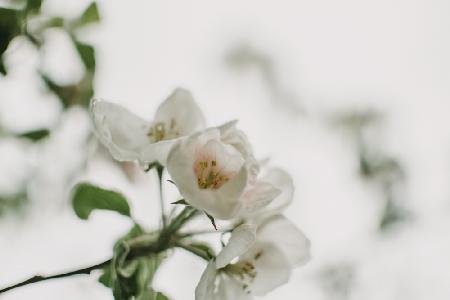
column 38, row 278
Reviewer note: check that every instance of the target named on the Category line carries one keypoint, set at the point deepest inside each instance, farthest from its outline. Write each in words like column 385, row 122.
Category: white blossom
column 215, row 171
column 280, row 179
column 128, row 137
column 254, row 263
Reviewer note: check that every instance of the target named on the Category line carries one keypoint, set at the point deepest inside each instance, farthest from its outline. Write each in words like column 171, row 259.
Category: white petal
column 258, row 197
column 271, row 266
column 222, row 203
column 240, row 241
column 205, row 287
column 228, row 197
column 230, row 289
column 158, row 151
column 283, row 181
column 181, row 109
column 235, row 137
column 119, row 130
column 287, row 237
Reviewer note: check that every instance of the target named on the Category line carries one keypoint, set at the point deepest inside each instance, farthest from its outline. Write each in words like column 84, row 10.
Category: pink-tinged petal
column 221, row 201
column 258, row 197
column 240, row 241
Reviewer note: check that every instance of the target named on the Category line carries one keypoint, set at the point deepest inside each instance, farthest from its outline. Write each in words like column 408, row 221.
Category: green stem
column 160, row 171
column 196, row 251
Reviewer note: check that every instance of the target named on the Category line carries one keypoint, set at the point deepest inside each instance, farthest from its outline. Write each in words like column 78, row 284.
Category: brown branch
column 38, row 278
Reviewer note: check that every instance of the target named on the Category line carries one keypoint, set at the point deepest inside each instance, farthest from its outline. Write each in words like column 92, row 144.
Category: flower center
column 209, row 175
column 159, row 131
column 244, row 271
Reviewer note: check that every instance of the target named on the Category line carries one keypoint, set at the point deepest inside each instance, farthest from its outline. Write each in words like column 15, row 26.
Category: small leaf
column 35, row 135
column 106, row 278
column 88, row 197
column 211, row 218
column 90, row 15
column 182, row 202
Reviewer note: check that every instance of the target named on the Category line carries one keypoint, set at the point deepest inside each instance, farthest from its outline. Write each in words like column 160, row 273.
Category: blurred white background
column 286, row 70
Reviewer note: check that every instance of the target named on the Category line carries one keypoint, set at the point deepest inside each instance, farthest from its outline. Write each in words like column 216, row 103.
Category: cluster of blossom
column 216, row 172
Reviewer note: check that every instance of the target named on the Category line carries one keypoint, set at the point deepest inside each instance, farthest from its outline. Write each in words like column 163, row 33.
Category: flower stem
column 160, row 171
column 200, row 253
column 38, row 278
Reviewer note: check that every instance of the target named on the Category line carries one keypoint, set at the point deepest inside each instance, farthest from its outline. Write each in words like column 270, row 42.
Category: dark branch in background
column 245, row 57
column 38, row 278
column 375, row 165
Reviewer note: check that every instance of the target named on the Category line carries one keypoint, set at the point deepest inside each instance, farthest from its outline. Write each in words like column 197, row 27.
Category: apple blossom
column 283, row 181
column 215, row 171
column 128, row 137
column 265, row 260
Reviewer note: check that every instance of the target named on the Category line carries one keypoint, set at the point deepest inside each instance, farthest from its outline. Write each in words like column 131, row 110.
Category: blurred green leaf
column 33, row 6
column 89, row 16
column 87, row 54
column 35, row 135
column 161, row 296
column 54, row 22
column 88, row 197
column 13, row 202
column 75, row 94
column 10, row 21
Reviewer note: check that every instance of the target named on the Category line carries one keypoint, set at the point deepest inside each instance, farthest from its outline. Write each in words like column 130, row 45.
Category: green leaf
column 10, row 27
column 90, row 15
column 106, row 278
column 35, row 135
column 87, row 54
column 88, row 197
